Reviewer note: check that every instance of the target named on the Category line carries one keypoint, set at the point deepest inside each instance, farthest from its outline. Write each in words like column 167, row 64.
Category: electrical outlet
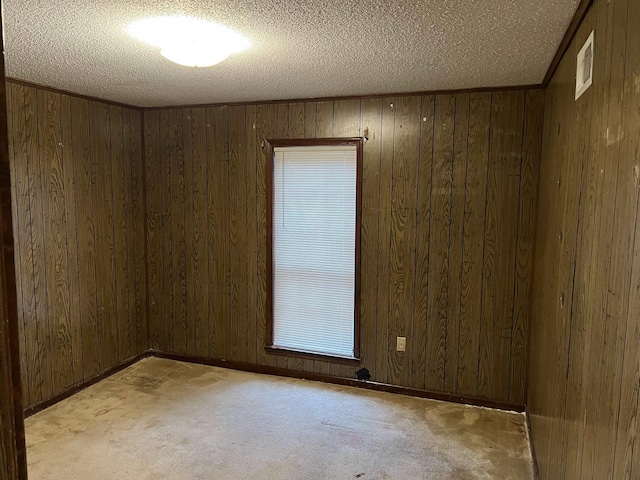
column 401, row 344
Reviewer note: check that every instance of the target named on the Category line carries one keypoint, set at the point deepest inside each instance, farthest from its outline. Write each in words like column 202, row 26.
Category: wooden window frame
column 269, row 146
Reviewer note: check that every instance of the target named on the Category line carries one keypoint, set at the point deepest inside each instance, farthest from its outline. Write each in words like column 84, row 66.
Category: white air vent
column 584, row 67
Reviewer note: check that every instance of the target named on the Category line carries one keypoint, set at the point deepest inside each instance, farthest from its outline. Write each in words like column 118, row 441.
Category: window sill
column 312, row 356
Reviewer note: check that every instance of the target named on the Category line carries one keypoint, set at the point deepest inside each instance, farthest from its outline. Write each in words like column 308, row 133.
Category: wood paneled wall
column 79, row 236
column 449, row 193
column 585, row 339
column 13, row 463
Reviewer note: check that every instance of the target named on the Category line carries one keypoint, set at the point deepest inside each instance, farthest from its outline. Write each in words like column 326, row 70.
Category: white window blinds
column 314, row 246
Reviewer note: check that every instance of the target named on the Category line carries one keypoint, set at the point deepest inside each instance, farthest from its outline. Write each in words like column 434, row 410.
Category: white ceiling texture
column 300, row 49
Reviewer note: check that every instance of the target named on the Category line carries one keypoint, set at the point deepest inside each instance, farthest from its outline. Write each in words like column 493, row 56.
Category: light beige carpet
column 161, row 419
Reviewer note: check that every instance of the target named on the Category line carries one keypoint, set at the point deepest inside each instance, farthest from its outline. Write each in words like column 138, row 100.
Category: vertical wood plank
column 423, row 239
column 403, row 240
column 282, row 122
column 563, row 336
column 120, row 201
column 178, row 242
column 68, row 169
column 218, row 234
column 582, row 333
column 324, row 119
column 15, row 148
column 54, row 238
column 24, row 257
column 296, row 120
column 13, row 462
column 84, row 185
column 129, row 256
column 531, row 144
column 200, row 280
column 346, row 118
column 621, row 157
column 16, row 238
column 505, row 156
column 266, row 122
column 456, row 236
column 591, row 249
column 384, row 239
column 439, row 241
column 190, row 221
column 310, row 110
column 139, row 231
column 32, row 129
column 626, row 443
column 549, row 255
column 168, row 253
column 563, row 233
column 153, row 215
column 547, row 194
column 473, row 243
column 251, row 234
column 573, row 410
column 371, row 128
column 104, row 238
column 237, row 233
column 50, row 139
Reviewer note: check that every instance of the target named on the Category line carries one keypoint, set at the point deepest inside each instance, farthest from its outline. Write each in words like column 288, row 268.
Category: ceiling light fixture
column 188, row 41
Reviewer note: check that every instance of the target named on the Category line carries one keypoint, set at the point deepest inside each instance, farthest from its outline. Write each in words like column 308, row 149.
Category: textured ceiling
column 300, row 49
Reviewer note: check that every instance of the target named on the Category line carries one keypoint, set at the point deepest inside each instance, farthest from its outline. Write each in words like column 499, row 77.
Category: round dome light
column 188, row 41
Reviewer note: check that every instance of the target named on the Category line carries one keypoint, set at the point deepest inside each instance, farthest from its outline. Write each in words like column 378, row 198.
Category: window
column 314, row 199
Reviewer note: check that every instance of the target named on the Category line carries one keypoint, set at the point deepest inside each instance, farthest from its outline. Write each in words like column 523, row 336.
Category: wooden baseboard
column 536, row 472
column 351, row 382
column 281, row 372
column 81, row 385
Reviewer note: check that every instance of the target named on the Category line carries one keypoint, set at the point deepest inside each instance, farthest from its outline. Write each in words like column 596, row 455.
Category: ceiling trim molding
column 71, row 94
column 576, row 21
column 536, row 86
